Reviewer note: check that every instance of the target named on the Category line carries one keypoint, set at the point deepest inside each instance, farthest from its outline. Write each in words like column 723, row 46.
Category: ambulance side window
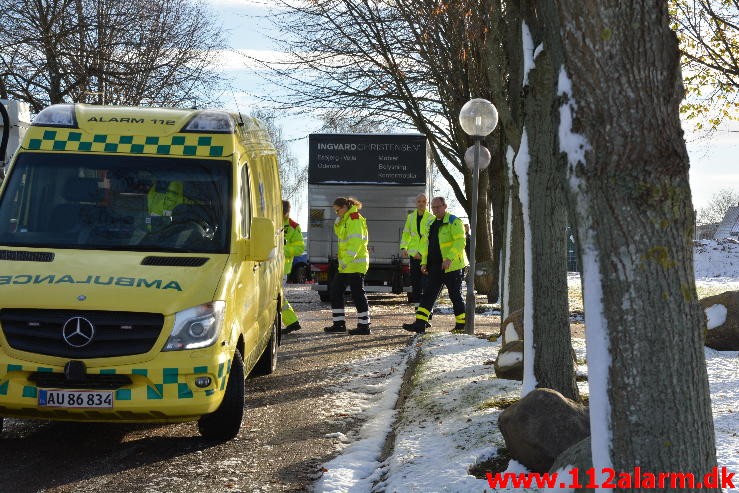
column 245, row 202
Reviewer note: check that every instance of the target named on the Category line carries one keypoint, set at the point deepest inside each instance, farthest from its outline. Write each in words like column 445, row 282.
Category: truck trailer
column 383, row 171
column 15, row 118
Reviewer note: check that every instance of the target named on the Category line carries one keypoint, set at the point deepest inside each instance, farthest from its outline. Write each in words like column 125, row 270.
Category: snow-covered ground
column 448, row 423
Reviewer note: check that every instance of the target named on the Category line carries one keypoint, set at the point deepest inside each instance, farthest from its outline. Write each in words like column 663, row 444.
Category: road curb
column 406, row 386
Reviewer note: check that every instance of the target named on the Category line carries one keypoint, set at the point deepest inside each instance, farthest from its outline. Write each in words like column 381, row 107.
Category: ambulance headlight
column 196, row 327
column 56, row 115
column 211, row 122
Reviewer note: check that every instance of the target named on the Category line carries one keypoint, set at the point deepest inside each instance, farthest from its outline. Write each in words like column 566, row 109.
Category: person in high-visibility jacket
column 294, row 246
column 351, row 230
column 443, row 259
column 162, row 198
column 409, row 242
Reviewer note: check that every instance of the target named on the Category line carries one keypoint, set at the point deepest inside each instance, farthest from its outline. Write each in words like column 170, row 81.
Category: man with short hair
column 443, row 259
column 409, row 244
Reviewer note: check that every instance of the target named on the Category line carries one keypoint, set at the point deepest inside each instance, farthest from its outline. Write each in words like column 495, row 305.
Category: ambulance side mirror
column 260, row 246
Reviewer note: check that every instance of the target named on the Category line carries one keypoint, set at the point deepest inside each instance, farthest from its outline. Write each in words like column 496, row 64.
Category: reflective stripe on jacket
column 294, row 244
column 451, row 242
column 351, row 230
column 411, row 238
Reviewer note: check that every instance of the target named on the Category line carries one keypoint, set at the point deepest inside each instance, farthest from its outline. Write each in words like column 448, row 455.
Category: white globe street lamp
column 478, row 118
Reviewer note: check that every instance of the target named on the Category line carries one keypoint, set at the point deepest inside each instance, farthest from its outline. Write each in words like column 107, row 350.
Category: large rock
column 512, row 327
column 509, row 363
column 722, row 321
column 541, row 426
column 579, row 456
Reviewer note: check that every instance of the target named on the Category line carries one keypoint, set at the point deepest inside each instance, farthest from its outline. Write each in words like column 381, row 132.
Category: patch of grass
column 499, row 402
column 499, row 463
column 705, row 290
column 574, row 293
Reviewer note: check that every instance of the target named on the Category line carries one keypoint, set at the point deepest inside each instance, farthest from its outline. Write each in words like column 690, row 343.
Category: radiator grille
column 113, row 333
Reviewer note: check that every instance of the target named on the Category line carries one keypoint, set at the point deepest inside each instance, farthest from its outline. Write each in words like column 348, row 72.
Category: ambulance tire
column 267, row 362
column 325, row 296
column 225, row 423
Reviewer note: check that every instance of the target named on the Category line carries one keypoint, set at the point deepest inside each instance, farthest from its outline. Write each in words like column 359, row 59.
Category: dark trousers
column 418, row 280
column 435, row 280
column 356, row 285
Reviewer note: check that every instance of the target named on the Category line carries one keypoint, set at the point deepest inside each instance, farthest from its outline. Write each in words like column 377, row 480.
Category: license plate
column 75, row 398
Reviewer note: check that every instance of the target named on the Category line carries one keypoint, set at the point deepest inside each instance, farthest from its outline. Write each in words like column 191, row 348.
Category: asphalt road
column 281, row 447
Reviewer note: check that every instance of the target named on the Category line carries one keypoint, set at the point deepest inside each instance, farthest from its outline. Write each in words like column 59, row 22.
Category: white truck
column 383, row 171
column 12, row 131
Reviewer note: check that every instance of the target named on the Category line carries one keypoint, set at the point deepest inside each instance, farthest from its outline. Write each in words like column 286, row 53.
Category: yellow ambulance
column 140, row 266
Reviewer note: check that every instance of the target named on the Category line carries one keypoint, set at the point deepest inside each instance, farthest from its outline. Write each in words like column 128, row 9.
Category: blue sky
column 712, row 160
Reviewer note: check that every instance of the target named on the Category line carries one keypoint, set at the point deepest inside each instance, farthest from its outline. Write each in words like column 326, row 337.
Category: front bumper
column 161, row 390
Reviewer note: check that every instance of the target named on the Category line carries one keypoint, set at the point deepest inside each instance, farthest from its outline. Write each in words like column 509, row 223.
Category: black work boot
column 336, row 327
column 362, row 330
column 291, row 328
column 459, row 328
column 418, row 326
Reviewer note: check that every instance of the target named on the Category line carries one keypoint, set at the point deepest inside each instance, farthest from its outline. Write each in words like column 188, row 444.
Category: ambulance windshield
column 117, row 203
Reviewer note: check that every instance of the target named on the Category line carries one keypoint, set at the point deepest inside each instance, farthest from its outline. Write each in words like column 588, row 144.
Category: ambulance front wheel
column 225, row 423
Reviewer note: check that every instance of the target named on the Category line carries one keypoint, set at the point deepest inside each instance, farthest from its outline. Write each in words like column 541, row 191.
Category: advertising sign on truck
column 383, row 171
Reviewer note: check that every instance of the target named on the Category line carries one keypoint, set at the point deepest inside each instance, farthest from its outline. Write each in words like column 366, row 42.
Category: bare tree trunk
column 512, row 297
column 497, row 200
column 504, row 66
column 649, row 396
column 553, row 365
column 486, row 276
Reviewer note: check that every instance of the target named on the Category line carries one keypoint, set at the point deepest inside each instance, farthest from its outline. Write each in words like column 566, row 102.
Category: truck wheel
column 267, row 363
column 225, row 423
column 324, row 295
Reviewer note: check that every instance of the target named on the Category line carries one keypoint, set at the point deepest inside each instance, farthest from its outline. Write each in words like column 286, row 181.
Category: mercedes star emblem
column 78, row 332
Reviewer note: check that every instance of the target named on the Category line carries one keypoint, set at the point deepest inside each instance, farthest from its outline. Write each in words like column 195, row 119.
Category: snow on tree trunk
column 512, row 265
column 553, row 362
column 649, row 396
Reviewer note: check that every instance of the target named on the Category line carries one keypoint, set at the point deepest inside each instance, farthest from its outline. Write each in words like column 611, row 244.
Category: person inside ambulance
column 162, row 198
column 175, row 219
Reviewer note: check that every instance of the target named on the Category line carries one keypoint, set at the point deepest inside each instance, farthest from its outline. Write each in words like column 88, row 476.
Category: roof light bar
column 56, row 115
column 211, row 122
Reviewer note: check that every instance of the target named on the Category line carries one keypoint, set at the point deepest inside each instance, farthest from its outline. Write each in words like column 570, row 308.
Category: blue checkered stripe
column 164, row 384
column 180, row 145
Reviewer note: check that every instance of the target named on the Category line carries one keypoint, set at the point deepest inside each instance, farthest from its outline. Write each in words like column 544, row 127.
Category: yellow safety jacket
column 351, row 230
column 451, row 242
column 294, row 244
column 161, row 203
column 411, row 239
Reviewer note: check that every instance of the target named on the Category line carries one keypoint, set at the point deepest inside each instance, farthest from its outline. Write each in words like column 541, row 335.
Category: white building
column 729, row 227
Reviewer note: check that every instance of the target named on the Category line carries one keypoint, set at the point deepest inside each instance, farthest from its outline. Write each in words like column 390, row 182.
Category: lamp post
column 478, row 118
